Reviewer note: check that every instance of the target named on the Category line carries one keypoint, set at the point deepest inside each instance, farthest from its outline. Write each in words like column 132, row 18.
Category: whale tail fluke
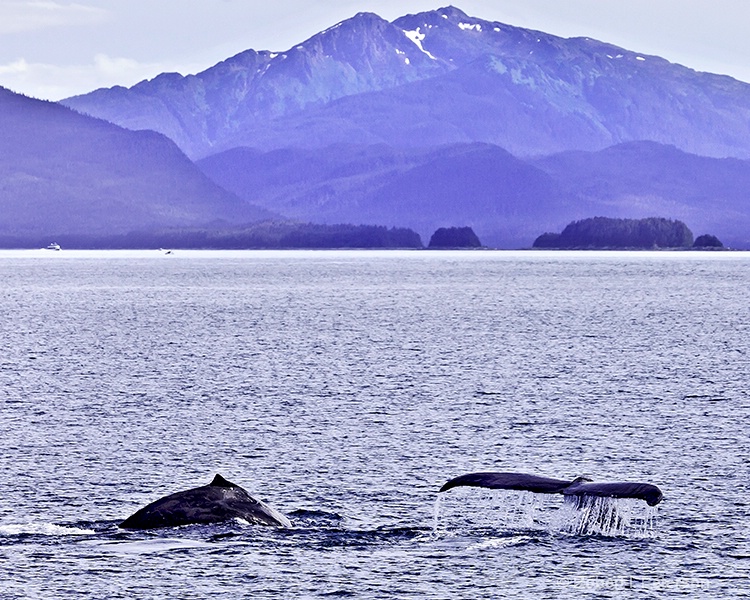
column 648, row 492
column 508, row 481
column 581, row 487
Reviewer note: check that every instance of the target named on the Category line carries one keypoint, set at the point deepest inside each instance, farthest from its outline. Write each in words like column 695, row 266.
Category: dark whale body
column 219, row 501
column 578, row 490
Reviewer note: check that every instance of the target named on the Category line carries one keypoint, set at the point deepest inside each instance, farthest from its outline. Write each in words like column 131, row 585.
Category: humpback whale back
column 219, row 501
column 578, row 488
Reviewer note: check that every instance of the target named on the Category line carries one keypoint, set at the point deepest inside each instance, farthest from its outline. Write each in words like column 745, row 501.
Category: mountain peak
column 452, row 13
column 434, row 17
column 360, row 21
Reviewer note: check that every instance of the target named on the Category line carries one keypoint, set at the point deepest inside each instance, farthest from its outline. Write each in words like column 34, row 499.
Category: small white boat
column 54, row 246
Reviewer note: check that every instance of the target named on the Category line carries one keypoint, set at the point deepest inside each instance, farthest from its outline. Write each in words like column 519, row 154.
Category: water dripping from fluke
column 436, row 515
column 607, row 517
column 494, row 513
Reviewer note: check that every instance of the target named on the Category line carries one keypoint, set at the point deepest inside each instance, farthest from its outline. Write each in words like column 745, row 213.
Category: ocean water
column 343, row 388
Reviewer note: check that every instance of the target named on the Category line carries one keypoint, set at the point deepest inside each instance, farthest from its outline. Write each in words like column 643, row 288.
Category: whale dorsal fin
column 219, row 481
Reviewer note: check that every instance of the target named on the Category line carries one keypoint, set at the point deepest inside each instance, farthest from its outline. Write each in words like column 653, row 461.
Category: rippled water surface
column 344, row 388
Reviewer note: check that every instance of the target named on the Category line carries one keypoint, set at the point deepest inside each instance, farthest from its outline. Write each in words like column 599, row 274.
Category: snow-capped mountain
column 432, row 78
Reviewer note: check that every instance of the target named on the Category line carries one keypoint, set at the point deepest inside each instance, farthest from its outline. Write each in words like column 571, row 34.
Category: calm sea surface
column 343, row 388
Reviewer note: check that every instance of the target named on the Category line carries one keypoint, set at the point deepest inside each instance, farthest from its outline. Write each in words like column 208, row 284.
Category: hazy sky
column 57, row 48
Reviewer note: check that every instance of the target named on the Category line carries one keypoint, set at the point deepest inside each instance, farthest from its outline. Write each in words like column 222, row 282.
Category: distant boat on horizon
column 53, row 246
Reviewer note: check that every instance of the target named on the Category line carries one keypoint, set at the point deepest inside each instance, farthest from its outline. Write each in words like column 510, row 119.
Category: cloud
column 15, row 68
column 107, row 66
column 23, row 16
column 55, row 82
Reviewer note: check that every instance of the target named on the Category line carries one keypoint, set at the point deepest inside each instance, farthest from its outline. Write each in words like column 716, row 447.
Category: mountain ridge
column 434, row 120
column 508, row 201
column 66, row 173
column 569, row 94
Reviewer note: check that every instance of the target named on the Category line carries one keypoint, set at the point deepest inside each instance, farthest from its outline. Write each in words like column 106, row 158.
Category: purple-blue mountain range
column 440, row 119
column 436, row 78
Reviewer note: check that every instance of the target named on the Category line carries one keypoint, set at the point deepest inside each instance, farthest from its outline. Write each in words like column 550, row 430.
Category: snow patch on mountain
column 416, row 36
column 470, row 26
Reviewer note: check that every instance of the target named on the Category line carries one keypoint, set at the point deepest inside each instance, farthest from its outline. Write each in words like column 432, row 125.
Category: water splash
column 42, row 529
column 152, row 546
column 615, row 517
column 503, row 542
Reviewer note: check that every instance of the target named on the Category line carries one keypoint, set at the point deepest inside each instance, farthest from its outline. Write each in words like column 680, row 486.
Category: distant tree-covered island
column 604, row 232
column 261, row 235
column 707, row 241
column 454, row 237
column 273, row 234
